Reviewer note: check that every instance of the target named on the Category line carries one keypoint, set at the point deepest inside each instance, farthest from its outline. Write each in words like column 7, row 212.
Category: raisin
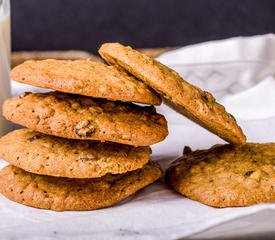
column 204, row 97
column 247, row 174
column 82, row 159
column 85, row 129
column 33, row 138
column 187, row 150
column 24, row 95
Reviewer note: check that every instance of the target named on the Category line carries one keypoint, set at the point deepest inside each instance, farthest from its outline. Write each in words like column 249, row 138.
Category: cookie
column 84, row 77
column 196, row 104
column 226, row 175
column 48, row 155
column 79, row 117
column 65, row 194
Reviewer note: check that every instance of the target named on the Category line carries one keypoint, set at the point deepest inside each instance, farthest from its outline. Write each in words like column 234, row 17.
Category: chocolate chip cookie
column 85, row 77
column 196, row 104
column 226, row 175
column 64, row 194
column 79, row 117
column 48, row 155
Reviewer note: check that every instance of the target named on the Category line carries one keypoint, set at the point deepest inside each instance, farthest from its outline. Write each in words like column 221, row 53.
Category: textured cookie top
column 191, row 101
column 85, row 77
column 63, row 194
column 78, row 117
column 226, row 175
column 48, row 155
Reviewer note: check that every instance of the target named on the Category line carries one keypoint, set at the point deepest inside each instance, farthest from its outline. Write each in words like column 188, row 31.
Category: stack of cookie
column 57, row 172
column 86, row 145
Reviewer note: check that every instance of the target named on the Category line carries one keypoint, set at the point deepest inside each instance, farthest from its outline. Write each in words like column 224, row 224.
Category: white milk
column 4, row 61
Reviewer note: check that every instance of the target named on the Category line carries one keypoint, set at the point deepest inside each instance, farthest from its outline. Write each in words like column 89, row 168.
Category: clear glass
column 5, row 50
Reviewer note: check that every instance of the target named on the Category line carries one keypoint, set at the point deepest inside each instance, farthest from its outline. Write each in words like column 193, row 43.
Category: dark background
column 85, row 24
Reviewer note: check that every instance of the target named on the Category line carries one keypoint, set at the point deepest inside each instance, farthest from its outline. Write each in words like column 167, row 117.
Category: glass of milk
column 5, row 49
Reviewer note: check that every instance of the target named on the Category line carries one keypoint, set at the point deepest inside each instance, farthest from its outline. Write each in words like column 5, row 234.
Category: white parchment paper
column 240, row 73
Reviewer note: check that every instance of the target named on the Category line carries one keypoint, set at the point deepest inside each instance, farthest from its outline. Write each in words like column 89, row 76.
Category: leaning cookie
column 85, row 77
column 191, row 101
column 68, row 194
column 226, row 175
column 79, row 117
column 48, row 155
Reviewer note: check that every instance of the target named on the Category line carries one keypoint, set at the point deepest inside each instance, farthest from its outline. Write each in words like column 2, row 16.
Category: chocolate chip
column 84, row 129
column 33, row 138
column 247, row 174
column 24, row 95
column 204, row 97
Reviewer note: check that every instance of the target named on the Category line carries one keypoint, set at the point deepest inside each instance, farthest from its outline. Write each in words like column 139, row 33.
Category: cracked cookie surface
column 79, row 117
column 68, row 194
column 189, row 100
column 226, row 175
column 85, row 77
column 48, row 155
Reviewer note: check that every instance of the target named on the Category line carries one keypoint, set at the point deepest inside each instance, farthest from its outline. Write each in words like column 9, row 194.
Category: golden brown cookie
column 191, row 101
column 65, row 194
column 79, row 117
column 48, row 155
column 84, row 77
column 226, row 175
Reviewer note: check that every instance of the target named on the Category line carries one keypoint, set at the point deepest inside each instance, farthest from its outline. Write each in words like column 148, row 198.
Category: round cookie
column 79, row 117
column 84, row 77
column 197, row 105
column 67, row 194
column 226, row 175
column 48, row 155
